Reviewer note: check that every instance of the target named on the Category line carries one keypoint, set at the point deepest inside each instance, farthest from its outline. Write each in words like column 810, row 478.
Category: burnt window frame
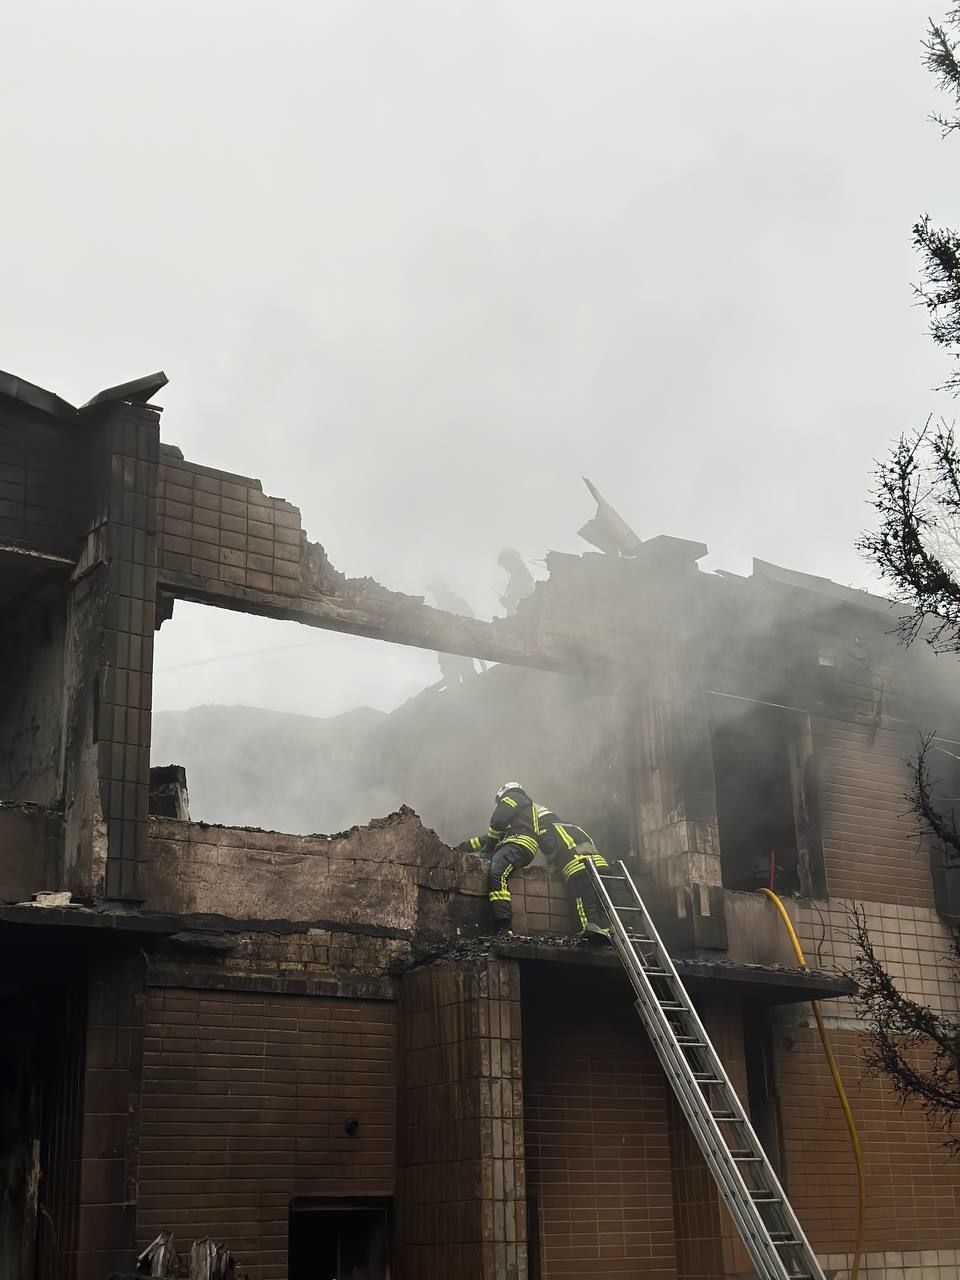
column 803, row 770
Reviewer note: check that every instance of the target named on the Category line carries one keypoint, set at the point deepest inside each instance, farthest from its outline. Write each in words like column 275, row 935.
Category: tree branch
column 901, row 1032
column 901, row 548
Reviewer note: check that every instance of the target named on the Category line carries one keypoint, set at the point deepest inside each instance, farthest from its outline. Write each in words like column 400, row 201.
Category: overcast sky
column 420, row 266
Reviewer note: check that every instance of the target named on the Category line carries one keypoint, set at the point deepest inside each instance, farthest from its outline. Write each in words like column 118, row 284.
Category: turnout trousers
column 585, row 899
column 507, row 858
column 576, row 878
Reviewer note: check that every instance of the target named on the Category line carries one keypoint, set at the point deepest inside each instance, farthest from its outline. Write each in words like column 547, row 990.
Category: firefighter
column 518, row 829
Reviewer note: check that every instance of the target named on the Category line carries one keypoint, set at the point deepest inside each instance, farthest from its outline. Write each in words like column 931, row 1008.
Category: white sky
column 420, row 266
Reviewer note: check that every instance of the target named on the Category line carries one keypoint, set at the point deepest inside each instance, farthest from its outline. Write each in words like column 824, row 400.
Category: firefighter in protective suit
column 518, row 829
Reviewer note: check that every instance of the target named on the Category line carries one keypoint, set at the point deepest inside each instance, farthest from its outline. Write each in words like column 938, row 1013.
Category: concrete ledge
column 767, row 984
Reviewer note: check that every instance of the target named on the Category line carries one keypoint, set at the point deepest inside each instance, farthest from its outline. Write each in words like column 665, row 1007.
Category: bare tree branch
column 941, row 825
column 909, row 1043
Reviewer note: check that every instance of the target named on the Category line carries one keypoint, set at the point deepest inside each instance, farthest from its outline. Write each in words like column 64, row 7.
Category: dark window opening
column 533, row 1236
column 762, row 1102
column 339, row 1240
column 943, row 763
column 766, row 799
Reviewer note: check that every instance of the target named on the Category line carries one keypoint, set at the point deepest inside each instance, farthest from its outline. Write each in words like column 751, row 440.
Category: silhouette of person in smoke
column 521, row 581
column 454, row 669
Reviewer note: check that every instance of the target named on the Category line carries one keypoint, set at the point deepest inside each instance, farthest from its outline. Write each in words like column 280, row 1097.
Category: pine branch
column 941, row 59
column 901, row 1033
column 917, row 481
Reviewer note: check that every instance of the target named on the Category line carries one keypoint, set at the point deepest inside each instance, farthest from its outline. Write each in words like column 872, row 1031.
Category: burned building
column 307, row 1045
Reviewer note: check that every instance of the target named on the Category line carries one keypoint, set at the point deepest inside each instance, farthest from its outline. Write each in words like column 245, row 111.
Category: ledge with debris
column 769, row 984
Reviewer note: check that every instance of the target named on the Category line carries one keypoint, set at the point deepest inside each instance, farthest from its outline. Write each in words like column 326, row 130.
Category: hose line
column 838, row 1084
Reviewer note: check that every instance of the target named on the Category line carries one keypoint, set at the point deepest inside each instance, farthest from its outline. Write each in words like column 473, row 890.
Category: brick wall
column 596, row 1134
column 870, row 846
column 913, row 1186
column 42, row 496
column 540, row 903
column 708, row 1246
column 222, row 528
column 244, row 1103
column 122, row 728
column 461, row 1208
column 113, row 1057
column 913, row 943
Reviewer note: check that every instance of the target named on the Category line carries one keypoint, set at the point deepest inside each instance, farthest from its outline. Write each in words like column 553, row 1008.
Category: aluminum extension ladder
column 751, row 1190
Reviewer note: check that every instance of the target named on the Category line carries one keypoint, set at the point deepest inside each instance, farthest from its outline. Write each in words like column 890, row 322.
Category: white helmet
column 508, row 786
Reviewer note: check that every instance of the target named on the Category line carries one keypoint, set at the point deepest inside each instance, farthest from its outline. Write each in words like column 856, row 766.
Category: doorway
column 339, row 1240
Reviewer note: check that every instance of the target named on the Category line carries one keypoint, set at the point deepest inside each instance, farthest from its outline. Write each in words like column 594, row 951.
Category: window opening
column 339, row 1239
column 765, row 785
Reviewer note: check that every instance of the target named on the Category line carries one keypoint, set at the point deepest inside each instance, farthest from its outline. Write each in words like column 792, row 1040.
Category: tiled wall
column 913, row 1186
column 42, row 497
column 110, row 1092
column 596, row 1131
column 912, row 942
column 870, row 844
column 896, row 1264
column 223, row 529
column 540, row 903
column 126, row 684
column 461, row 1207
column 245, row 1098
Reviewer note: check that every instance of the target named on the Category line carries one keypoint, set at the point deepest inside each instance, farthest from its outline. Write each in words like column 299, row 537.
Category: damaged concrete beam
column 223, row 541
column 400, row 619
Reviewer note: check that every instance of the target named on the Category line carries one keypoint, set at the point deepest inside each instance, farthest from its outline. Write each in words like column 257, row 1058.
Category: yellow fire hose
column 838, row 1084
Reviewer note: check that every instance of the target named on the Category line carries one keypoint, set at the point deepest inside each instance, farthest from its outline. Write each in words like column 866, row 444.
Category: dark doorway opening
column 339, row 1240
column 762, row 1100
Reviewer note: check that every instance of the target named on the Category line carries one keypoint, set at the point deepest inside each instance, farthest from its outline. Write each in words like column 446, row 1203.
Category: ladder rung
column 638, row 937
column 654, row 973
column 629, row 908
column 728, row 1117
column 690, row 1042
column 613, row 877
column 746, row 1157
column 704, row 1077
column 672, row 1006
column 785, row 1239
column 764, row 1197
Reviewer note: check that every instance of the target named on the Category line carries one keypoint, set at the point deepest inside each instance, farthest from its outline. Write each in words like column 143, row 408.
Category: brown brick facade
column 461, row 1204
column 596, row 1133
column 223, row 529
column 122, row 717
column 913, row 1186
column 245, row 1099
column 870, row 844
column 43, row 503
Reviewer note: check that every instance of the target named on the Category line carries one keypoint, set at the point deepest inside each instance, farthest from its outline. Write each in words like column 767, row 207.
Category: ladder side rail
column 747, row 1217
column 713, row 1058
column 754, row 1234
column 696, row 1105
column 745, row 1213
